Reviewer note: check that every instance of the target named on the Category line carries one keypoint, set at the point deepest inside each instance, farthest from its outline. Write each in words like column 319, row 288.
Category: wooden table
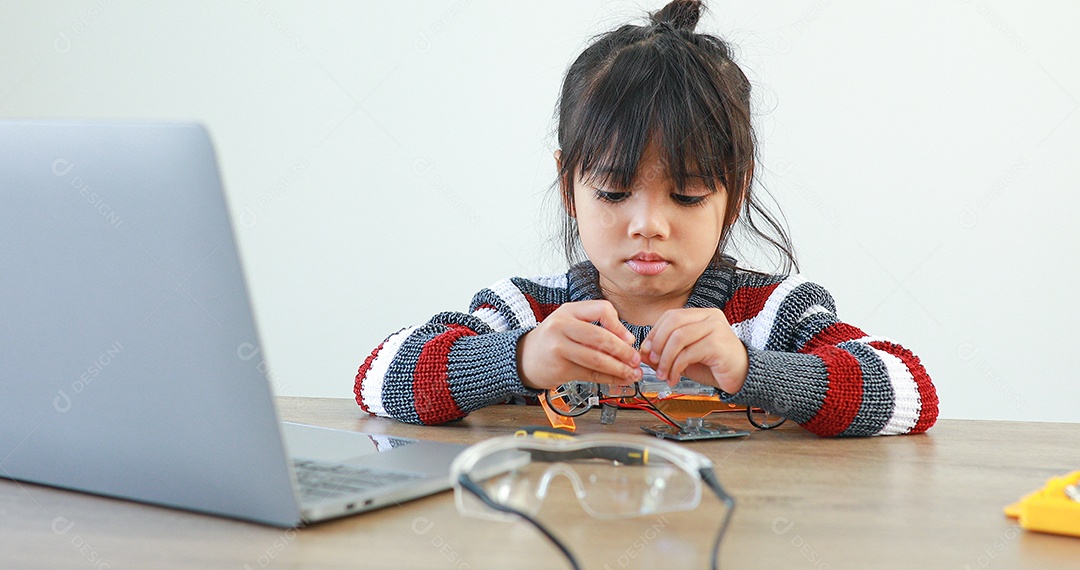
column 927, row 501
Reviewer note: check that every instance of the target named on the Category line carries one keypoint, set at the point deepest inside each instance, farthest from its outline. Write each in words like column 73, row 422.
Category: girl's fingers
column 596, row 366
column 571, row 347
column 670, row 322
column 675, row 344
column 611, row 323
column 693, row 354
column 602, row 312
column 603, row 340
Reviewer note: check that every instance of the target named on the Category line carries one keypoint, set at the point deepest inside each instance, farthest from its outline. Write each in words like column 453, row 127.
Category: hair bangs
column 656, row 93
column 615, row 120
column 693, row 117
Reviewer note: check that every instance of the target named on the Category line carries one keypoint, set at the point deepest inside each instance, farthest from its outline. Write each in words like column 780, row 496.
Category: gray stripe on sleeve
column 809, row 328
column 789, row 384
column 877, row 392
column 397, row 389
column 802, row 297
column 482, row 370
column 489, row 297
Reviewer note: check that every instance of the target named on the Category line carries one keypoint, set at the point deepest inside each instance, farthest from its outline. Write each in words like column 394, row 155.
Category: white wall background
column 385, row 160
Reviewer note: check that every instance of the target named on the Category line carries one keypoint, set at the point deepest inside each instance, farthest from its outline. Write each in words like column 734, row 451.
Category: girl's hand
column 568, row 346
column 698, row 344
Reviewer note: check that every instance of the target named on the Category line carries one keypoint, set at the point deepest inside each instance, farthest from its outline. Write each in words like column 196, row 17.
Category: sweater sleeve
column 453, row 364
column 829, row 376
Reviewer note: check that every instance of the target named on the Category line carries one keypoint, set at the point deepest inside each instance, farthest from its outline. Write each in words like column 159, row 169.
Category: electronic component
column 694, row 429
column 683, row 405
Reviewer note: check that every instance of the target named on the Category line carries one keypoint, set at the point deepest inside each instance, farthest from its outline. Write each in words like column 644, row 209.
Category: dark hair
column 663, row 83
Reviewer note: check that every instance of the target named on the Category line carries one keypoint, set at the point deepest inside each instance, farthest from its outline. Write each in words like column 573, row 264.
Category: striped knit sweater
column 830, row 377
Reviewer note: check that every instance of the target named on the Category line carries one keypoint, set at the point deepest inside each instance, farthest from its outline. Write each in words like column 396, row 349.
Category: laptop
column 130, row 362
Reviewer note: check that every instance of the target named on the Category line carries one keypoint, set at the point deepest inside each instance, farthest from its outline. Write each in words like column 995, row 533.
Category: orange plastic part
column 685, row 406
column 555, row 419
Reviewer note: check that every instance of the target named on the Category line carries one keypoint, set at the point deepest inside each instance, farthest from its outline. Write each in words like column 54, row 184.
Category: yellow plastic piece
column 1049, row 509
column 541, row 432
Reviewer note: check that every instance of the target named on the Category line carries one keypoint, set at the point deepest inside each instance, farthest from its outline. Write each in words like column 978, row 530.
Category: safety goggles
column 613, row 476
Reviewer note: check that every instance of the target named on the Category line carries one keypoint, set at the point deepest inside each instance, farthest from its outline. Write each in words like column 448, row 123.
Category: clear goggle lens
column 612, row 476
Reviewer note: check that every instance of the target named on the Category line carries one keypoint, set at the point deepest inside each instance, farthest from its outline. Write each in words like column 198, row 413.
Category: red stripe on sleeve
column 747, row 302
column 431, row 386
column 362, row 374
column 540, row 310
column 928, row 410
column 844, row 395
column 832, row 335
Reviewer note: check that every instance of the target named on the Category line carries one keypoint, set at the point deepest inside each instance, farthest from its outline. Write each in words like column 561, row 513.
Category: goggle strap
column 475, row 489
column 709, row 478
column 621, row 454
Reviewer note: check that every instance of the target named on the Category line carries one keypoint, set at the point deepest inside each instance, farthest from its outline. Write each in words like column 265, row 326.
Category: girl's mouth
column 647, row 264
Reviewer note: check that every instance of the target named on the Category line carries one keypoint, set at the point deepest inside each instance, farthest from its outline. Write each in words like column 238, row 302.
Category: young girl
column 655, row 166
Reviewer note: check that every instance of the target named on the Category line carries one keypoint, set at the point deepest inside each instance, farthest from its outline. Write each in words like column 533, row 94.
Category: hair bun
column 679, row 14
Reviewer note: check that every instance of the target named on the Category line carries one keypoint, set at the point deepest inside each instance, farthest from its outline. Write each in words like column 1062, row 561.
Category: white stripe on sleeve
column 557, row 281
column 492, row 318
column 814, row 310
column 371, row 391
column 515, row 299
column 906, row 402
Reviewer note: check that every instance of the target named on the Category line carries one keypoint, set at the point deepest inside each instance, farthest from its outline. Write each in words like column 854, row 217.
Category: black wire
column 637, row 390
column 483, row 496
column 765, row 425
column 709, row 477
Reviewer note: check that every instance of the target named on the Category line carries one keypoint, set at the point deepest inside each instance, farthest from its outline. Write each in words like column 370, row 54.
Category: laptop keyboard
column 319, row 481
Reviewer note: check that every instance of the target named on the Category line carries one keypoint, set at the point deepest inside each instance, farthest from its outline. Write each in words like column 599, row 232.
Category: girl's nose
column 648, row 220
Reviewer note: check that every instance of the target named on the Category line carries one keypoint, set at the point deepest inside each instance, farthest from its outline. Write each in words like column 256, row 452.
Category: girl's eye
column 612, row 196
column 688, row 200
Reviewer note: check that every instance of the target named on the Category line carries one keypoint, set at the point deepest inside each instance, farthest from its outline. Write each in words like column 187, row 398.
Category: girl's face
column 652, row 241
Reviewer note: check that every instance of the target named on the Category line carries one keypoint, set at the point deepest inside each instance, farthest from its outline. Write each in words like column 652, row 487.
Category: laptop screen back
column 123, row 304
